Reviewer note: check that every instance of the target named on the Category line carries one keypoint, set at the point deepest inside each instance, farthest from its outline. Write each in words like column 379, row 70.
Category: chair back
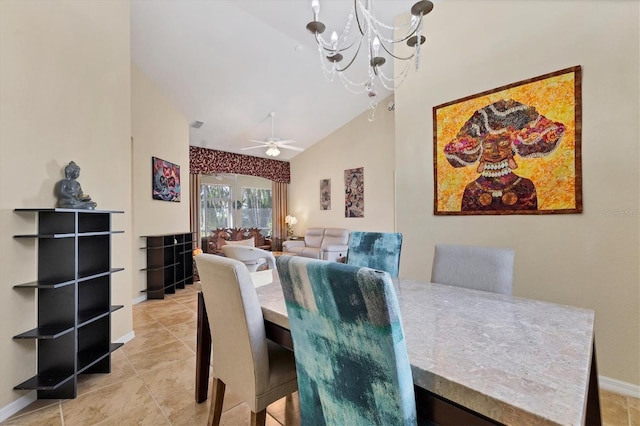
column 377, row 250
column 475, row 267
column 240, row 357
column 249, row 255
column 350, row 352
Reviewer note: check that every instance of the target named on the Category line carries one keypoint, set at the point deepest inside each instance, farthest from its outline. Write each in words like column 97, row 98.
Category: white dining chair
column 475, row 267
column 258, row 370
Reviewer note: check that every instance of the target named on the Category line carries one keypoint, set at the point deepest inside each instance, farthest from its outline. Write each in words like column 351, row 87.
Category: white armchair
column 320, row 243
column 250, row 256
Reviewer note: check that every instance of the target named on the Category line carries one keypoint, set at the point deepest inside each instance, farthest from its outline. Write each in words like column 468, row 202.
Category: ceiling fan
column 273, row 143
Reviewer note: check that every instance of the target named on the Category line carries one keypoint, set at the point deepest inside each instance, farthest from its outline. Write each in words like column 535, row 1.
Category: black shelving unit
column 169, row 263
column 74, row 298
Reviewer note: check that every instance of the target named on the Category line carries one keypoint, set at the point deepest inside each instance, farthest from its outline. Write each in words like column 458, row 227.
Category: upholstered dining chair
column 475, row 267
column 251, row 256
column 350, row 351
column 258, row 370
column 377, row 250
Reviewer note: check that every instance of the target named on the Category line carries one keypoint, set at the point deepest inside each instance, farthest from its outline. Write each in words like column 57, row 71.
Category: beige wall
column 159, row 130
column 64, row 95
column 360, row 143
column 590, row 259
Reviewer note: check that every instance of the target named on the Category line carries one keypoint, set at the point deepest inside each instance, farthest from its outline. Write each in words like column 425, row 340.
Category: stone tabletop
column 514, row 360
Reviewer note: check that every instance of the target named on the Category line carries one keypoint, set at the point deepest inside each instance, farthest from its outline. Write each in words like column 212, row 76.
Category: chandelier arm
column 326, row 49
column 408, row 36
column 397, row 57
column 355, row 10
column 352, row 59
column 379, row 23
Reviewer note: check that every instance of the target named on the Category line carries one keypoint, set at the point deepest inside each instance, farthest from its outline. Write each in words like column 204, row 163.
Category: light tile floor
column 152, row 382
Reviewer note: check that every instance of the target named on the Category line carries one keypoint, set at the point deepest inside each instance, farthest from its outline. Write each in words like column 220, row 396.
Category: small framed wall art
column 166, row 180
column 354, row 192
column 325, row 194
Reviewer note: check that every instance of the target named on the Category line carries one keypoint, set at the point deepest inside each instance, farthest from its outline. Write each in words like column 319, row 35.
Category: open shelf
column 169, row 263
column 74, row 298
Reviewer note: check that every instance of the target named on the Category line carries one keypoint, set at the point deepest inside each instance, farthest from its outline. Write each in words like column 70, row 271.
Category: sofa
column 222, row 236
column 320, row 243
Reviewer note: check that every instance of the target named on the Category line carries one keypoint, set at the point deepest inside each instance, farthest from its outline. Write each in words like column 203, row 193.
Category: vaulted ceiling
column 228, row 64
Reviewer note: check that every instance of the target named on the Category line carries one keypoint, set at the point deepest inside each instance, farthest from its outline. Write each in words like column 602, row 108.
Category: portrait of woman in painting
column 492, row 138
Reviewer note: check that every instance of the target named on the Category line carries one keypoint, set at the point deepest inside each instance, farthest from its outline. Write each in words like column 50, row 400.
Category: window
column 215, row 202
column 230, row 200
column 256, row 209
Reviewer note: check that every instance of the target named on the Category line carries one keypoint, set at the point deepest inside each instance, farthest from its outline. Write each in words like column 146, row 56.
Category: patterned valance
column 210, row 161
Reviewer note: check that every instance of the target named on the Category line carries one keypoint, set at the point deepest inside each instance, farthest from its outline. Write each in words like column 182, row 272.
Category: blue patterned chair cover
column 377, row 250
column 350, row 351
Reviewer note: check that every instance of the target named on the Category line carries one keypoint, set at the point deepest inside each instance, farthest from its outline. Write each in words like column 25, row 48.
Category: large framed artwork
column 354, row 192
column 515, row 149
column 166, row 180
column 325, row 194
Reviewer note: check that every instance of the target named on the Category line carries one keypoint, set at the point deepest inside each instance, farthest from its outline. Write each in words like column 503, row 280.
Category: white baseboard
column 618, row 386
column 126, row 338
column 140, row 299
column 17, row 405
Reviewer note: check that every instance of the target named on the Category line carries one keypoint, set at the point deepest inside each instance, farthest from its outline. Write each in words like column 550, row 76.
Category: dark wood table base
column 203, row 351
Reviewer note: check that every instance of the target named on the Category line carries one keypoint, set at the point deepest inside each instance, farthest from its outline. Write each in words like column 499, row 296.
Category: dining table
column 477, row 358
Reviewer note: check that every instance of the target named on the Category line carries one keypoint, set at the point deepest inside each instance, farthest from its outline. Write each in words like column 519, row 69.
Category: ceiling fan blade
column 294, row 148
column 285, row 142
column 252, row 147
column 261, row 142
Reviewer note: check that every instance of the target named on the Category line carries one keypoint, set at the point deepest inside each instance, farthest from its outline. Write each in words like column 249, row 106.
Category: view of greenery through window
column 215, row 202
column 218, row 209
column 256, row 209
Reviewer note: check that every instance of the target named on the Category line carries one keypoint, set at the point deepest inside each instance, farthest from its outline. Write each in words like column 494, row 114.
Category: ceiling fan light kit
column 378, row 35
column 273, row 143
column 273, row 151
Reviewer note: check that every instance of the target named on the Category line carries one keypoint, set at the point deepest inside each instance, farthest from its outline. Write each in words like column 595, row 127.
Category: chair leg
column 216, row 402
column 259, row 418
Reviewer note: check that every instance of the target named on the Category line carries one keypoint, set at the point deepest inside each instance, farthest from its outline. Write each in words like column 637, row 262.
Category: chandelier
column 374, row 37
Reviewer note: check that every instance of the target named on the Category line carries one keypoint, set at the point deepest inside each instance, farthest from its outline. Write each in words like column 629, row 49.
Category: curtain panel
column 279, row 204
column 194, row 206
column 209, row 161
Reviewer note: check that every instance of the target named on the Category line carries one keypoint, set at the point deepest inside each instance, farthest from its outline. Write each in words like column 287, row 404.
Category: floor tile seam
column 89, row 392
column 187, row 346
column 190, row 311
column 155, row 401
column 153, row 397
column 154, row 367
column 146, row 331
column 124, row 379
column 147, row 349
column 62, row 422
column 177, row 337
column 151, row 331
column 153, row 347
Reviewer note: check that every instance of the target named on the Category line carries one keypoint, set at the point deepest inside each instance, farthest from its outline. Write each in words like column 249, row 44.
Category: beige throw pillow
column 251, row 242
